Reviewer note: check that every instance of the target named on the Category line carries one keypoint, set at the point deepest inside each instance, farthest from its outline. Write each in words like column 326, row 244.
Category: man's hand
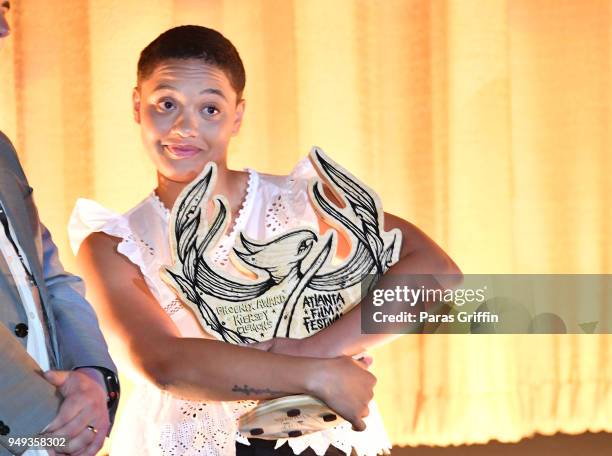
column 83, row 415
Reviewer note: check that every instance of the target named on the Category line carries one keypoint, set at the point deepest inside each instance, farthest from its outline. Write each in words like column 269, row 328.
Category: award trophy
column 292, row 287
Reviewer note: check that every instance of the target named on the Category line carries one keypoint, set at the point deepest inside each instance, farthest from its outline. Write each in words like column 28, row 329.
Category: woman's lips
column 182, row 151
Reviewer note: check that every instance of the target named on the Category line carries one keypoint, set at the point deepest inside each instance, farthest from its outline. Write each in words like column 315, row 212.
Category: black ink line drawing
column 288, row 264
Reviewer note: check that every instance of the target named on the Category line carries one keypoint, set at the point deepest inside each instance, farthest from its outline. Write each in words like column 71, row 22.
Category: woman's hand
column 343, row 383
column 346, row 386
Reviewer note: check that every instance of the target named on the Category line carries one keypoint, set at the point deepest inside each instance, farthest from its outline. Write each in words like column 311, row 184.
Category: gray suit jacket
column 27, row 401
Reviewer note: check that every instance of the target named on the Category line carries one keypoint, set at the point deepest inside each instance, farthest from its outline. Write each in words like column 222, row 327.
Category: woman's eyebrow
column 6, row 4
column 163, row 86
column 214, row 91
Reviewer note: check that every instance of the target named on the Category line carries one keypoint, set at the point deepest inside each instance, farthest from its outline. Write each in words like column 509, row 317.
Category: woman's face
column 188, row 112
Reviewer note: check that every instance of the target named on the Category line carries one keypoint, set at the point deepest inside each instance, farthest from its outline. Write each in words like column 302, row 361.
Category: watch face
column 112, row 386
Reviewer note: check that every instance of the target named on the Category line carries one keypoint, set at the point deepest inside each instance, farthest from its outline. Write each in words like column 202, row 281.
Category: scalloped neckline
column 243, row 213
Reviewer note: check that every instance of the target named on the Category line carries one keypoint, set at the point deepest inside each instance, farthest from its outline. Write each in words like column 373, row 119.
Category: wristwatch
column 112, row 387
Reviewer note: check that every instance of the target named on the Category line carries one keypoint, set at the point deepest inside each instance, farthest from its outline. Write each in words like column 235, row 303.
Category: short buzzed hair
column 194, row 42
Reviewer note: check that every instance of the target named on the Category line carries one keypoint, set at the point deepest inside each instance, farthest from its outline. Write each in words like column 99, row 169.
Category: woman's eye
column 166, row 105
column 210, row 110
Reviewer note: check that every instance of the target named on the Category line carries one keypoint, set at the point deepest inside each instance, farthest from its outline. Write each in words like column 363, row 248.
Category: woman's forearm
column 202, row 369
column 345, row 336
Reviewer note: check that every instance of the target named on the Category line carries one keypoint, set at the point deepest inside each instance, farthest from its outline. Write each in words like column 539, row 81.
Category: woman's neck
column 229, row 183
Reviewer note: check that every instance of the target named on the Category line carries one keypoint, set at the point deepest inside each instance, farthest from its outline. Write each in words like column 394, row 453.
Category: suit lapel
column 14, row 205
column 12, row 199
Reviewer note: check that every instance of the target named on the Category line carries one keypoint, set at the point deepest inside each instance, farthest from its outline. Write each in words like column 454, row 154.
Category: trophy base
column 287, row 417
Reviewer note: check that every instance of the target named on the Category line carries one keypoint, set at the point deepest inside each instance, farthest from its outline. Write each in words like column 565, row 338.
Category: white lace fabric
column 156, row 423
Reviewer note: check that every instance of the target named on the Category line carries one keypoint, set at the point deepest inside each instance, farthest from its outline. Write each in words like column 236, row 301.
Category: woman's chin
column 181, row 175
column 182, row 170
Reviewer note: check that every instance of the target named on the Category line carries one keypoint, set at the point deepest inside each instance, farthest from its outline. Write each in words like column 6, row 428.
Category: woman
column 188, row 103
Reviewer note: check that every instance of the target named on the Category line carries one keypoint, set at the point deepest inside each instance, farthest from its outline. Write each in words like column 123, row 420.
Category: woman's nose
column 185, row 126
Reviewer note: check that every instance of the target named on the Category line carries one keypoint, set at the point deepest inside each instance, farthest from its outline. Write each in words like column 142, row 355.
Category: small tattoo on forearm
column 248, row 390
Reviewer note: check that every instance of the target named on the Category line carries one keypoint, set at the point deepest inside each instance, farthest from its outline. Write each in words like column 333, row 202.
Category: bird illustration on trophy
column 292, row 286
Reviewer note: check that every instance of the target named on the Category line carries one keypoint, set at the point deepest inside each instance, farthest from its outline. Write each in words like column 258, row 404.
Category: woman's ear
column 136, row 104
column 238, row 119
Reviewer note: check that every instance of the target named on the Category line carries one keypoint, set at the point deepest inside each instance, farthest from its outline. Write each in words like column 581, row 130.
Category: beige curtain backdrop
column 486, row 123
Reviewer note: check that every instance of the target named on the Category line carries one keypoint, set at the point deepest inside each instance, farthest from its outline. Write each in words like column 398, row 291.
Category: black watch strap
column 112, row 387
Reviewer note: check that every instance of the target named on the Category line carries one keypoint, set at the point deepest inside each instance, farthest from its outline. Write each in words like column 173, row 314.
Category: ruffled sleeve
column 89, row 217
column 282, row 203
column 303, row 170
column 298, row 182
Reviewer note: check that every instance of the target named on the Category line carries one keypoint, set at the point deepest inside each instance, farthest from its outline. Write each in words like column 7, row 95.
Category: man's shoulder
column 7, row 150
column 5, row 143
column 8, row 155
